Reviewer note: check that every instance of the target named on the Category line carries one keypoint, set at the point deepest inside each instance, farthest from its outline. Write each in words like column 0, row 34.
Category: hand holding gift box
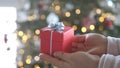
column 56, row 37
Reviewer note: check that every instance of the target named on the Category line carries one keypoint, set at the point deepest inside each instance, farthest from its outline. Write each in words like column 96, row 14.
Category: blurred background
column 21, row 20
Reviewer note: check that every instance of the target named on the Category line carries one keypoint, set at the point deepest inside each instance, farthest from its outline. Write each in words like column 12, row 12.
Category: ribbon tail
column 51, row 42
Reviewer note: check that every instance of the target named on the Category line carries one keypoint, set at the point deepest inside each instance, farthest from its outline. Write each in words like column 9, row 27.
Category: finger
column 63, row 56
column 79, row 38
column 78, row 47
column 50, row 59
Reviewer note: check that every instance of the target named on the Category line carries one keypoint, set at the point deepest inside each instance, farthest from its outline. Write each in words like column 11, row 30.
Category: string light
column 36, row 58
column 36, row 66
column 20, row 33
column 29, row 57
column 55, row 67
column 20, row 64
column 33, row 17
column 57, row 8
column 42, row 17
column 67, row 14
column 24, row 38
column 28, row 61
column 98, row 11
column 75, row 27
column 101, row 19
column 77, row 11
column 83, row 29
column 37, row 31
column 21, row 51
column 92, row 27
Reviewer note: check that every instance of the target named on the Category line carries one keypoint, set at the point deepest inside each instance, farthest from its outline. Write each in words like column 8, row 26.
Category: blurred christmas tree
column 83, row 15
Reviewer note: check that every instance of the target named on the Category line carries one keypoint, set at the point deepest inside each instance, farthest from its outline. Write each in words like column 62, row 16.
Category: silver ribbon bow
column 59, row 26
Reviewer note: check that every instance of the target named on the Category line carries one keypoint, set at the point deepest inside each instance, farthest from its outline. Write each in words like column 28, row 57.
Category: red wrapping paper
column 61, row 41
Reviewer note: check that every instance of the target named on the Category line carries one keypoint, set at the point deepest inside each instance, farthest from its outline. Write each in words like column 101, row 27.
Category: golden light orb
column 67, row 14
column 84, row 29
column 77, row 11
column 92, row 27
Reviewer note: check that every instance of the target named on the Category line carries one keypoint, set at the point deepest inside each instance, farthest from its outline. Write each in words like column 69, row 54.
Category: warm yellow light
column 34, row 16
column 28, row 61
column 55, row 67
column 83, row 29
column 24, row 38
column 21, row 51
column 20, row 63
column 36, row 66
column 75, row 27
column 29, row 57
column 67, row 14
column 77, row 11
column 42, row 17
column 101, row 19
column 30, row 18
column 92, row 27
column 98, row 11
column 37, row 31
column 101, row 28
column 21, row 67
column 20, row 33
column 57, row 8
column 36, row 58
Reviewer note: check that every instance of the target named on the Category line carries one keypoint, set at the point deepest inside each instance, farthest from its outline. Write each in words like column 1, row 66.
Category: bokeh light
column 21, row 51
column 24, row 38
column 98, row 11
column 37, row 31
column 36, row 58
column 29, row 57
column 92, row 27
column 67, row 14
column 57, row 7
column 77, row 11
column 36, row 66
column 84, row 29
column 101, row 19
column 28, row 61
column 75, row 27
column 42, row 17
column 20, row 64
column 20, row 33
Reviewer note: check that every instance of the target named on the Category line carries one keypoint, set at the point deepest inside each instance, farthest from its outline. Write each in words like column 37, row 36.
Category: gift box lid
column 46, row 32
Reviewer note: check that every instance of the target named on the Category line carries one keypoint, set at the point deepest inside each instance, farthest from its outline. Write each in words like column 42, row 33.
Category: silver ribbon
column 59, row 26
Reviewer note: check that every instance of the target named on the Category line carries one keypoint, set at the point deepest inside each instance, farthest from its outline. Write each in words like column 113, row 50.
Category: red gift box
column 52, row 40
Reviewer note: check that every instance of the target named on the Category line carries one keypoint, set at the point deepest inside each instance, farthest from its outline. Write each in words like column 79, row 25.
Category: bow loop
column 59, row 26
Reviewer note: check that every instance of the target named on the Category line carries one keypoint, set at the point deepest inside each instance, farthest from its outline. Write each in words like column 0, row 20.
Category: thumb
column 62, row 56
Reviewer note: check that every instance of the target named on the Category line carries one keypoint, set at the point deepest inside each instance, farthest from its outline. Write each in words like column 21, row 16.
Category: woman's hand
column 72, row 60
column 92, row 42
